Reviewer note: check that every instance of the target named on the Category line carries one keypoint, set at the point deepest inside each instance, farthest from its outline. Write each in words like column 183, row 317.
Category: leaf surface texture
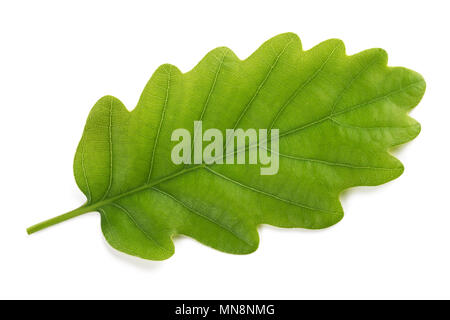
column 337, row 116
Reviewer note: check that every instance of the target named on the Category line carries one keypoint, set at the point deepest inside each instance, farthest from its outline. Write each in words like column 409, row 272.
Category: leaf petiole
column 66, row 216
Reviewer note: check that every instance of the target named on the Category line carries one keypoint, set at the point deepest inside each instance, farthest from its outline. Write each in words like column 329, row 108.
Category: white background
column 57, row 58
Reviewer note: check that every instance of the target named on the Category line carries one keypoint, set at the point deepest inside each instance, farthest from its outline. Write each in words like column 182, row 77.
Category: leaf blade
column 338, row 116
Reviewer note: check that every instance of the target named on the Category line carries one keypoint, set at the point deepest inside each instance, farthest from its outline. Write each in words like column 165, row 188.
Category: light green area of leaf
column 338, row 116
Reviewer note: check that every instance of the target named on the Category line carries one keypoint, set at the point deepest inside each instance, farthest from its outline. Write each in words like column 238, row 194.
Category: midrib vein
column 148, row 185
column 349, row 109
column 110, row 200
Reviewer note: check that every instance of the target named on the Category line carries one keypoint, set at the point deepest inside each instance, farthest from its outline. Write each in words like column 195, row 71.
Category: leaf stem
column 60, row 218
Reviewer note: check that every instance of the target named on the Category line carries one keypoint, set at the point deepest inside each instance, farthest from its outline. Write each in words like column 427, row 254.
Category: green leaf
column 337, row 116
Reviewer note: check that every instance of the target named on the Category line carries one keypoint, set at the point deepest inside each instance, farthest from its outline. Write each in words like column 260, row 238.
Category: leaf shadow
column 138, row 263
column 266, row 227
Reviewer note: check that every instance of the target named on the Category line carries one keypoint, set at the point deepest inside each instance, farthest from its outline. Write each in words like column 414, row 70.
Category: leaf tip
column 168, row 69
column 286, row 38
column 335, row 46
